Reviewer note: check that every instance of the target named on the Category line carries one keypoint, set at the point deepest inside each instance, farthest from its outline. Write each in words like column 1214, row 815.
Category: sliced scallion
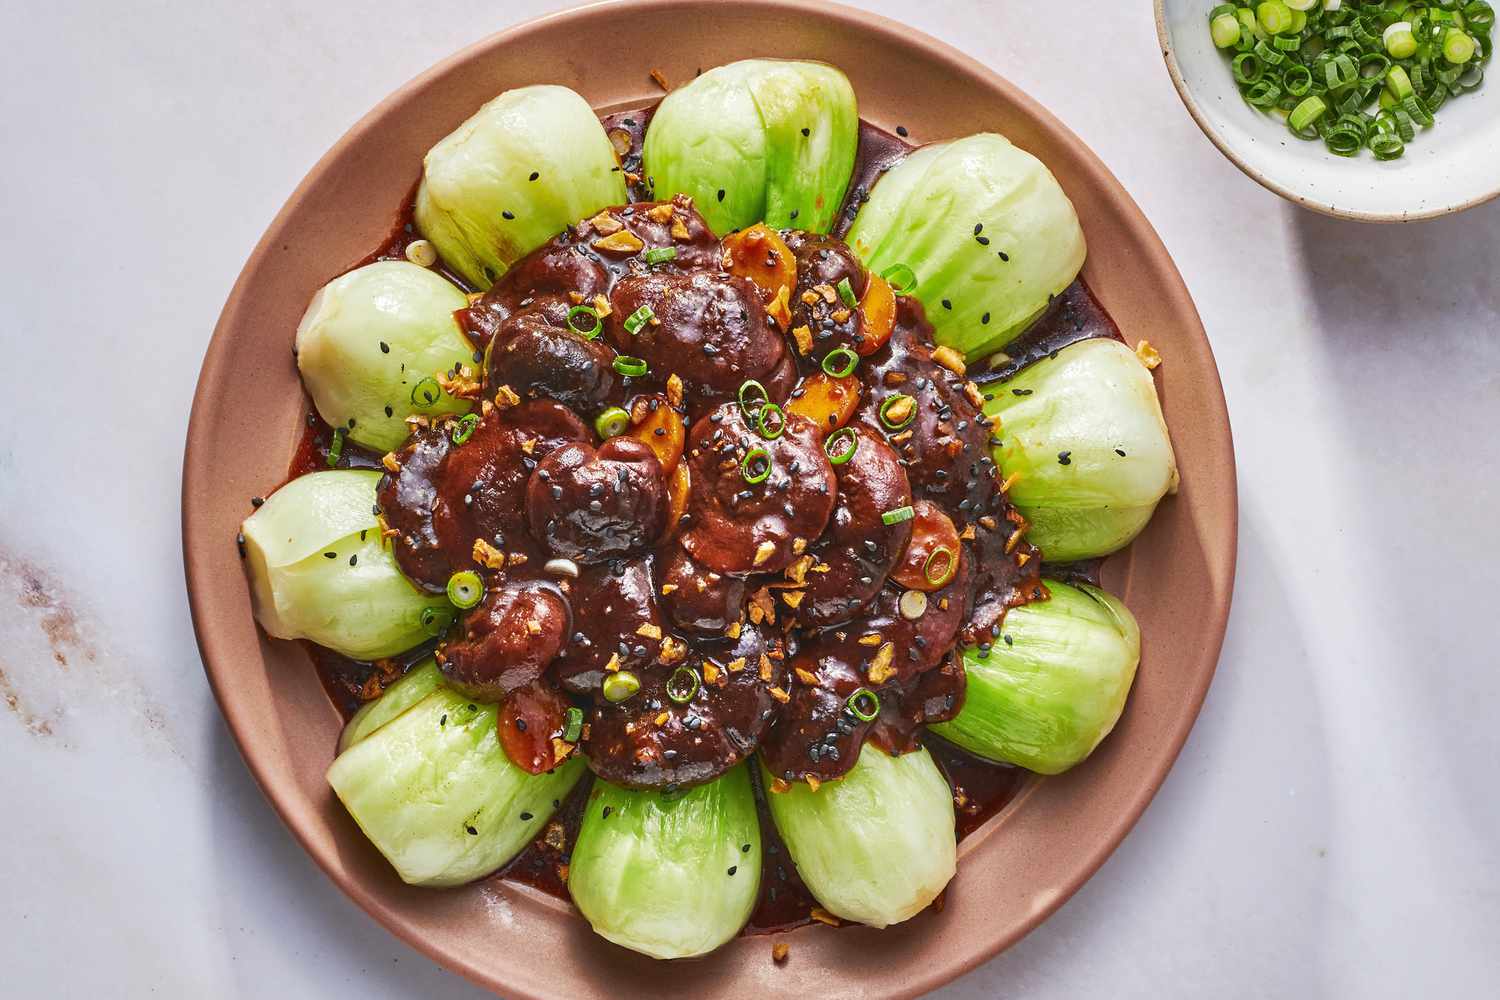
column 612, row 422
column 898, row 515
column 683, row 685
column 426, row 392
column 864, row 704
column 846, row 292
column 771, row 421
column 840, row 362
column 630, row 366
column 902, row 279
column 465, row 589
column 638, row 319
column 755, row 467
column 841, row 445
column 463, row 428
column 620, row 685
column 573, row 728
column 584, row 321
column 660, row 255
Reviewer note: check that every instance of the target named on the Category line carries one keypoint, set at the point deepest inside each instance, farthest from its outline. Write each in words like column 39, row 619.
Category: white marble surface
column 1331, row 828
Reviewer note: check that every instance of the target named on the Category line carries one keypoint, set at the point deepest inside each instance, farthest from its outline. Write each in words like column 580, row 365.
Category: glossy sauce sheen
column 929, row 690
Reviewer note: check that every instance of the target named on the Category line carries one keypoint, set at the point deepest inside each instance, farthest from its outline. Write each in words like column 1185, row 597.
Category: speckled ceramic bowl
column 1012, row 872
column 1449, row 168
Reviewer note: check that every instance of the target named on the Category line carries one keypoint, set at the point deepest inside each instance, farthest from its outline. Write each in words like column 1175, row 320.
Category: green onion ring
column 949, row 566
column 898, row 515
column 588, row 333
column 771, row 421
column 751, row 388
column 660, row 255
column 891, row 402
column 573, row 728
column 612, row 422
column 864, row 705
column 751, row 457
column 683, row 685
column 336, row 446
column 631, row 367
column 465, row 589
column 638, row 319
column 620, row 685
column 426, row 392
column 435, row 621
column 464, row 428
column 846, row 292
column 840, row 362
column 902, row 279
column 834, row 446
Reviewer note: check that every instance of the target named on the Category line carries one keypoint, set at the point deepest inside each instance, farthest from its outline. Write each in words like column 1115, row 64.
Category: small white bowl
column 1453, row 166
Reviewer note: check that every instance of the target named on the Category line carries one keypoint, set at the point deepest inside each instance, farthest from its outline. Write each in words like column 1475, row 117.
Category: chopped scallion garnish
column 898, row 515
column 629, row 366
column 465, row 589
column 620, row 685
column 463, row 429
column 683, row 685
column 584, row 321
column 426, row 392
column 612, row 422
column 846, row 292
column 864, row 704
column 840, row 362
column 771, row 421
column 336, row 447
column 638, row 319
column 756, row 466
column 660, row 255
column 573, row 728
column 841, row 445
column 1355, row 75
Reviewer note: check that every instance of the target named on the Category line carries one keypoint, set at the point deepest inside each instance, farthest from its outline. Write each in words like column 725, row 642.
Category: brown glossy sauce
column 1071, row 317
column 981, row 789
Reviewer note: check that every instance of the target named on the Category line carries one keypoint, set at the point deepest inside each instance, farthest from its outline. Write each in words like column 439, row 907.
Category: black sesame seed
column 733, row 869
column 534, row 176
column 985, row 319
column 507, row 215
column 1065, row 458
column 389, row 411
column 385, row 348
column 607, row 811
column 525, row 817
column 744, row 848
column 354, row 559
column 1120, row 452
column 983, row 241
column 901, row 131
column 471, row 831
column 721, row 194
column 807, row 131
column 947, row 304
column 1004, row 256
column 330, row 555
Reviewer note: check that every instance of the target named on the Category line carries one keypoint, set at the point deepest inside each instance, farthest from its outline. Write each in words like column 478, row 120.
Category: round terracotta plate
column 1014, row 871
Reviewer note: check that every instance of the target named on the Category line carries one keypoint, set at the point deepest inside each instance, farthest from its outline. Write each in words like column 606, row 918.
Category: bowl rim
column 202, row 561
column 1169, row 56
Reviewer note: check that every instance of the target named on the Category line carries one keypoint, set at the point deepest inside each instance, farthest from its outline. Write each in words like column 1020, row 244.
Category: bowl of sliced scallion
column 1374, row 110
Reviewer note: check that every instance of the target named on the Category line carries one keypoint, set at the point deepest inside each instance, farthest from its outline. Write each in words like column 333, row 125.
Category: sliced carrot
column 827, row 401
column 678, row 485
column 760, row 254
column 653, row 421
column 931, row 557
column 877, row 315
